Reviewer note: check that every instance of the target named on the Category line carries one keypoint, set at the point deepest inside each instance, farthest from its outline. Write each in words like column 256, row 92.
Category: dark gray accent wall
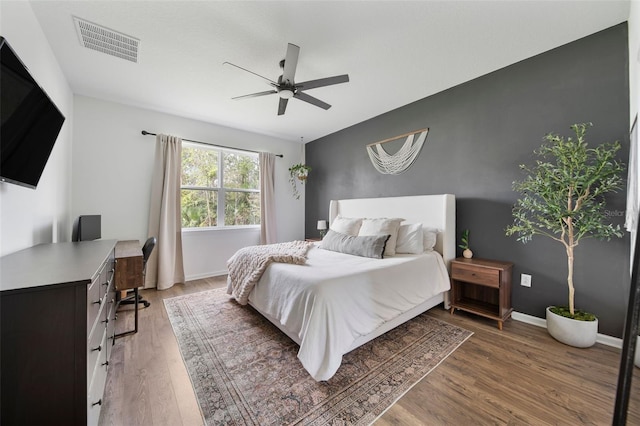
column 480, row 131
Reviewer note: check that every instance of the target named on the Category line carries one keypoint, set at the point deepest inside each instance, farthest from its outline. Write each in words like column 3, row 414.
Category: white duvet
column 332, row 300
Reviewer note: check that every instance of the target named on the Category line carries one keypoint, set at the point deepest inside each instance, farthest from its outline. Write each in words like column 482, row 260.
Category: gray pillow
column 365, row 246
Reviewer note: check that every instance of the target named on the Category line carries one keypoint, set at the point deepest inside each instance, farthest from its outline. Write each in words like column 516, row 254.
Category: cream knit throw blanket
column 247, row 265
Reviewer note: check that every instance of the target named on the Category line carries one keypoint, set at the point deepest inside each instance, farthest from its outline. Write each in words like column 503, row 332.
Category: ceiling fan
column 286, row 87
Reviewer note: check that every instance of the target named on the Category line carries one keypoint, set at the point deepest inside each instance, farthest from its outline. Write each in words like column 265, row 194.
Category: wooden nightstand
column 482, row 287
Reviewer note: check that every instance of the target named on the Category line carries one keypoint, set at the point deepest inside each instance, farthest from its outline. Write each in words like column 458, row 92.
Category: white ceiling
column 395, row 52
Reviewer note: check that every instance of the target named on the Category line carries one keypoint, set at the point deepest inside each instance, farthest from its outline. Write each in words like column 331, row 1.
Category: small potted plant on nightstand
column 563, row 198
column 464, row 239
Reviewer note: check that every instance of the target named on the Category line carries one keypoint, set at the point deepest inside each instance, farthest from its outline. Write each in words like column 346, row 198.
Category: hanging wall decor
column 394, row 164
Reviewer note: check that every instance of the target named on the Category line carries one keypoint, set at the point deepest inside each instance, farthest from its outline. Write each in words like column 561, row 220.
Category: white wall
column 27, row 216
column 112, row 166
column 634, row 58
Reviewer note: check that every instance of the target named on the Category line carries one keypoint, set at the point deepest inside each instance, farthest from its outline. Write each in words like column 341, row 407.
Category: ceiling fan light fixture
column 286, row 93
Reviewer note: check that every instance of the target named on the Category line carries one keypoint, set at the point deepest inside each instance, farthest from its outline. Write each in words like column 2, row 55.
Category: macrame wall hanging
column 394, row 164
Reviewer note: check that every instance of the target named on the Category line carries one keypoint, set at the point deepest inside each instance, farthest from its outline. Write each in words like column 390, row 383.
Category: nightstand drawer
column 477, row 275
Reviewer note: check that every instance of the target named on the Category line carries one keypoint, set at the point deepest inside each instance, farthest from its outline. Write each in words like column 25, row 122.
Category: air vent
column 106, row 40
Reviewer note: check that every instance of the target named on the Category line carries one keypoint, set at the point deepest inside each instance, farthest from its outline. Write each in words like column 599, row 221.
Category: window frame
column 220, row 190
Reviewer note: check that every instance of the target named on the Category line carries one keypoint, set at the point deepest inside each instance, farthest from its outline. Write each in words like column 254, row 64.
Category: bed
column 336, row 302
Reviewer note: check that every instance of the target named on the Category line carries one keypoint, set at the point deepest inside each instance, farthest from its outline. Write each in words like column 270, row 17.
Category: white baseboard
column 205, row 275
column 539, row 322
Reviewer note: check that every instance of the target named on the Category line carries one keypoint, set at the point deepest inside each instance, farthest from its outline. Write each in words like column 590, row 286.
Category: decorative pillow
column 430, row 236
column 346, row 225
column 410, row 239
column 382, row 226
column 365, row 246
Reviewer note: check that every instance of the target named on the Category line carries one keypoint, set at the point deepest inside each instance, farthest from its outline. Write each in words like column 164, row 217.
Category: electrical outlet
column 525, row 280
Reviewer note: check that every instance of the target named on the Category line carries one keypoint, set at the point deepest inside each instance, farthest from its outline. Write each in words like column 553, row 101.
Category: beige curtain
column 267, row 199
column 165, row 267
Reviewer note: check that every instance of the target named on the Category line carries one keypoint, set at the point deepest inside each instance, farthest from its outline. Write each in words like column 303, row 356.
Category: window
column 219, row 187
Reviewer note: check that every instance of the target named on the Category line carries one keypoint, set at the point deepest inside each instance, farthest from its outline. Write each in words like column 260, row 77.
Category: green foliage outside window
column 204, row 187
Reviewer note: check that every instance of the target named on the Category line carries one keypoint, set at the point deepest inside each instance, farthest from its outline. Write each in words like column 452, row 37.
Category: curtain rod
column 144, row 132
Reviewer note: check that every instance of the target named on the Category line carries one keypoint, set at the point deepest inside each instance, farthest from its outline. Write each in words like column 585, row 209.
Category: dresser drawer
column 98, row 379
column 104, row 277
column 475, row 274
column 110, row 309
column 94, row 302
column 95, row 347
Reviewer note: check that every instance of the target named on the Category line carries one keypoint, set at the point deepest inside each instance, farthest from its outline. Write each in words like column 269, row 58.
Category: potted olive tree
column 563, row 198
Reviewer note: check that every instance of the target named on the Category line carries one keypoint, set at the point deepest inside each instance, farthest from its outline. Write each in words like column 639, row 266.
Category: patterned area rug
column 245, row 371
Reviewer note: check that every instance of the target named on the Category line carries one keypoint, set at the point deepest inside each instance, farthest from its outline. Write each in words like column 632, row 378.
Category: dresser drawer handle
column 106, row 321
column 105, row 363
column 97, row 403
column 99, row 348
column 98, row 302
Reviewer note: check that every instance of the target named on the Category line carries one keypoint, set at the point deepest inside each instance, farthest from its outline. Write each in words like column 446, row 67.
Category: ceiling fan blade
column 255, row 95
column 282, row 106
column 310, row 99
column 321, row 82
column 273, row 83
column 290, row 63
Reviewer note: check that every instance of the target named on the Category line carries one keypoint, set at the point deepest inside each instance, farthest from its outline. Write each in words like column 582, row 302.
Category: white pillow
column 346, row 225
column 430, row 236
column 410, row 239
column 382, row 226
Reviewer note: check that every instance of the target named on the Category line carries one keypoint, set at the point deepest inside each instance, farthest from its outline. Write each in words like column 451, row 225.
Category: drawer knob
column 99, row 348
column 99, row 402
column 105, row 363
column 106, row 321
column 97, row 302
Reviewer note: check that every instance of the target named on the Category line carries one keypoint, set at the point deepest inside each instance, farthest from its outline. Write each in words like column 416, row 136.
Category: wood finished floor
column 518, row 376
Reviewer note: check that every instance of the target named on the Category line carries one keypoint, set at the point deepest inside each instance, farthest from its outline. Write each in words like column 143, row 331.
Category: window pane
column 241, row 208
column 241, row 171
column 199, row 167
column 199, row 208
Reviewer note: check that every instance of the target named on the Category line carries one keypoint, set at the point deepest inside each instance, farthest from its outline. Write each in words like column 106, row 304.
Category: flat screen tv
column 29, row 122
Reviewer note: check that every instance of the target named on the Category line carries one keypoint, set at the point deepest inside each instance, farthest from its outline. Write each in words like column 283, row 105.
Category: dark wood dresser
column 57, row 312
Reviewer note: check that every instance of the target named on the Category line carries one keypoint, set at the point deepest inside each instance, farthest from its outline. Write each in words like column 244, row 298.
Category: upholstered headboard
column 435, row 211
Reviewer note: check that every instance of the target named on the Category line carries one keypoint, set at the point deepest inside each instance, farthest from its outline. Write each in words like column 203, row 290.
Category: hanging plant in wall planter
column 563, row 198
column 298, row 173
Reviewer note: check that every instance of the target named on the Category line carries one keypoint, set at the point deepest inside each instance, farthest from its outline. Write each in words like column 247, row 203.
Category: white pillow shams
column 382, row 226
column 410, row 239
column 430, row 236
column 346, row 225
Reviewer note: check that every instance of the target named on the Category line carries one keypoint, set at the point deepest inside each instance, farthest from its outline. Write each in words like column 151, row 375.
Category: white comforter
column 326, row 304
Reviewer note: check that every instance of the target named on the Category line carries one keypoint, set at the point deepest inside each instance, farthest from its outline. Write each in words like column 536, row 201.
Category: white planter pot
column 580, row 334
